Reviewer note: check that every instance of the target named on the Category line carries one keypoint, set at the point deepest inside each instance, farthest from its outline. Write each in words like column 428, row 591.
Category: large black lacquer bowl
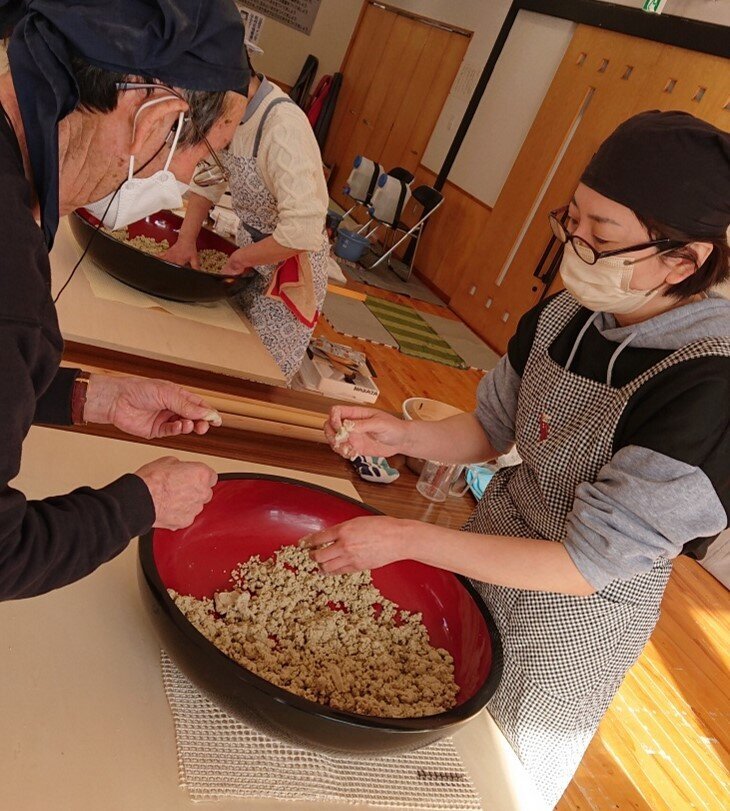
column 255, row 515
column 149, row 273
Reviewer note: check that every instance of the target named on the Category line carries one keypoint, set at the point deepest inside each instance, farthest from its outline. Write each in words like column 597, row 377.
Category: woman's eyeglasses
column 210, row 173
column 590, row 255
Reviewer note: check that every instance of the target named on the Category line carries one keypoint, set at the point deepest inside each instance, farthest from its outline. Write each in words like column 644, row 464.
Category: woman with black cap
column 616, row 393
column 94, row 87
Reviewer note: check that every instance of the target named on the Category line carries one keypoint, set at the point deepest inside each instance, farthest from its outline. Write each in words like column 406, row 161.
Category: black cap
column 669, row 166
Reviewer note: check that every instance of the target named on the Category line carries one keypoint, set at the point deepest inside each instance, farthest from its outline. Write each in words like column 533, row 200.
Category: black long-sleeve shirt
column 50, row 543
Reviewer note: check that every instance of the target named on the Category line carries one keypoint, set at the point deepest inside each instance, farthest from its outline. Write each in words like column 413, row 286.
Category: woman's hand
column 361, row 543
column 237, row 263
column 147, row 408
column 183, row 253
column 368, row 432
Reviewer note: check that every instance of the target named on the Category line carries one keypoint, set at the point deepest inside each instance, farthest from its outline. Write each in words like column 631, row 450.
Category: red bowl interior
column 166, row 225
column 257, row 516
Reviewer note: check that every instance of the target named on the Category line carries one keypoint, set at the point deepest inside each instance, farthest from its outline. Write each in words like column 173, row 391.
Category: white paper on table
column 214, row 313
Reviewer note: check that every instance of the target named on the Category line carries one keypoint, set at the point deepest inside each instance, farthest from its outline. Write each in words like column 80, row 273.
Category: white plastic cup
column 435, row 480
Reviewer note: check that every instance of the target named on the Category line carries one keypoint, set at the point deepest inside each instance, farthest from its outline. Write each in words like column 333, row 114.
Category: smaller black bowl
column 148, row 273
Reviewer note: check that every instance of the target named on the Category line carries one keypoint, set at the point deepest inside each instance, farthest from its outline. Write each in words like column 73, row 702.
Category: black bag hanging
column 299, row 93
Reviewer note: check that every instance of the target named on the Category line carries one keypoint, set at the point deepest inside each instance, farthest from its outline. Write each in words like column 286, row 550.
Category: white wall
column 514, row 94
column 286, row 49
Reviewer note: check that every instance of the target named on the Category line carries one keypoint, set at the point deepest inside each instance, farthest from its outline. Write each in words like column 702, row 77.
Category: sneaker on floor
column 375, row 469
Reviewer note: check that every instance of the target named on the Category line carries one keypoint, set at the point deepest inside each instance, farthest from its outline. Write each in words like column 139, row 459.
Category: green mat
column 415, row 337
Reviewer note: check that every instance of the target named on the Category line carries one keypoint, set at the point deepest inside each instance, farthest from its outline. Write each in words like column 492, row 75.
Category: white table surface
column 85, row 721
column 151, row 333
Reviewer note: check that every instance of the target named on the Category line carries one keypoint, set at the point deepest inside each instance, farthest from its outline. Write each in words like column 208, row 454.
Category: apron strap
column 255, row 234
column 259, row 131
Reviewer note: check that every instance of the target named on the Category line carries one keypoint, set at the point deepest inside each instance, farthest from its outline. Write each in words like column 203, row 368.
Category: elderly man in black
column 71, row 121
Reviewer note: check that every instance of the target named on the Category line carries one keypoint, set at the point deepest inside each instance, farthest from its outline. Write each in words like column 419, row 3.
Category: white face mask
column 138, row 197
column 605, row 286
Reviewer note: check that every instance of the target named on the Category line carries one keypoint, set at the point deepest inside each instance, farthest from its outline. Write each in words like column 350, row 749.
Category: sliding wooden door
column 397, row 74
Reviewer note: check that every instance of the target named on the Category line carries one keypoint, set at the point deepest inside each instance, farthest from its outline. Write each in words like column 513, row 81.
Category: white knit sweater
column 290, row 164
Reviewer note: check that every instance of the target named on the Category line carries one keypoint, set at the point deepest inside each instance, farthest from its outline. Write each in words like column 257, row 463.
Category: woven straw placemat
column 219, row 757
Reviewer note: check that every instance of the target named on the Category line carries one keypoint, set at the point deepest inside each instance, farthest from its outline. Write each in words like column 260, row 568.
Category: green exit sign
column 655, row 6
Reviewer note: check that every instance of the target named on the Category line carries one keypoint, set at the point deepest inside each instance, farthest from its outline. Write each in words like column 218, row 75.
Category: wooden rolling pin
column 245, row 407
column 271, row 428
column 246, row 414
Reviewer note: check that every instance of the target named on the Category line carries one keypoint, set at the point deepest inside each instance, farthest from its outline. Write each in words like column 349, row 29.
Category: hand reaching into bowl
column 183, row 252
column 357, row 431
column 362, row 543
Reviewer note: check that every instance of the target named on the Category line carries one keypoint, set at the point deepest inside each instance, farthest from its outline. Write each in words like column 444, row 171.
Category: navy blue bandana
column 191, row 44
column 669, row 166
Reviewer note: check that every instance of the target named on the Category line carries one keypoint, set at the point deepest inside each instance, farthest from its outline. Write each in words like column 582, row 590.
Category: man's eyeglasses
column 590, row 255
column 210, row 173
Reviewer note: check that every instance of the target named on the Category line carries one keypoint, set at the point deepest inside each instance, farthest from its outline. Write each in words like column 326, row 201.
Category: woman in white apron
column 616, row 393
column 274, row 172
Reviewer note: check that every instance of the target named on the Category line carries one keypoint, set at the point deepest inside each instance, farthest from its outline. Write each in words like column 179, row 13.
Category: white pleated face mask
column 606, row 285
column 138, row 197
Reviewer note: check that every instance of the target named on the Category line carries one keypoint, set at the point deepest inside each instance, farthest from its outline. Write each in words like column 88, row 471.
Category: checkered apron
column 564, row 656
column 285, row 337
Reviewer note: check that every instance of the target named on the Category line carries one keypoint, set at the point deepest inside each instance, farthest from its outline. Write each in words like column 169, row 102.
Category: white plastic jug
column 389, row 199
column 362, row 180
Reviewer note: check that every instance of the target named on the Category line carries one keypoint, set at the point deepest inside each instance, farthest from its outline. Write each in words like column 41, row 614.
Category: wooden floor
column 665, row 742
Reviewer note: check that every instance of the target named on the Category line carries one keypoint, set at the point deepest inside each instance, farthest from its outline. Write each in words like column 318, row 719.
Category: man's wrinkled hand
column 147, row 408
column 179, row 490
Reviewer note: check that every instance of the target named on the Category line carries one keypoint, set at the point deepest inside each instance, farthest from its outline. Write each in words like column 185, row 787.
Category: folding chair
column 429, row 200
column 400, row 173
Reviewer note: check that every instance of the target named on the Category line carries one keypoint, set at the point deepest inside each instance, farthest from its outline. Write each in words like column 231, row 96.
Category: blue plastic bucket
column 332, row 223
column 350, row 246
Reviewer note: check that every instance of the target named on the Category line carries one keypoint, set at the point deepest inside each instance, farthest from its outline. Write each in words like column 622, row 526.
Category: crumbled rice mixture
column 211, row 261
column 333, row 639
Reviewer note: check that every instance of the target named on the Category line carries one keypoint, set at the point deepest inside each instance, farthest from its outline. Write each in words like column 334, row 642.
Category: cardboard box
column 320, row 374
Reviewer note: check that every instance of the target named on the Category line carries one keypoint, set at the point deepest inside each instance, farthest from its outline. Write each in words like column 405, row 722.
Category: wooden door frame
column 693, row 35
column 410, row 14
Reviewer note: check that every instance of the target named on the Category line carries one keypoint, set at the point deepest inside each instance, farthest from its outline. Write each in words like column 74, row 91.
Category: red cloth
column 318, row 99
column 292, row 283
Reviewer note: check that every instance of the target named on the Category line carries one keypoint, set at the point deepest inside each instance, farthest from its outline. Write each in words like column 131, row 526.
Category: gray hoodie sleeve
column 497, row 404
column 643, row 506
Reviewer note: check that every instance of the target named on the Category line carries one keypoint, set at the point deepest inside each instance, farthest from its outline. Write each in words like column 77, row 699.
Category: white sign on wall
column 253, row 23
column 466, row 80
column 299, row 14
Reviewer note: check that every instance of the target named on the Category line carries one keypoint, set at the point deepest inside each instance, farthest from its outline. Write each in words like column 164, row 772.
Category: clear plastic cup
column 435, row 480
column 459, row 484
